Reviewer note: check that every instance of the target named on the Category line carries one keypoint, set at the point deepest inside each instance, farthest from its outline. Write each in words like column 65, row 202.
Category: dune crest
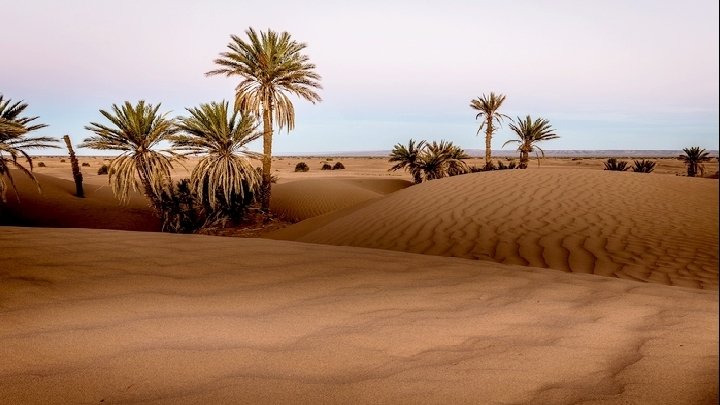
column 120, row 316
column 661, row 229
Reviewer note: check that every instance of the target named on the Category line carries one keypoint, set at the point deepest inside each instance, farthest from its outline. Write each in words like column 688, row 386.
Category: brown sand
column 95, row 316
column 302, row 199
column 58, row 206
column 654, row 228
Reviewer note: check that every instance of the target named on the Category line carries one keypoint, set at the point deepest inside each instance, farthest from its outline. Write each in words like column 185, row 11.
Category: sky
column 610, row 74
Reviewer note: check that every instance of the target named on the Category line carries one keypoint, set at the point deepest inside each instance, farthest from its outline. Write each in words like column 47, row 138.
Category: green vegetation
column 326, row 166
column 643, row 166
column 694, row 158
column 224, row 174
column 14, row 143
column 135, row 131
column 103, row 169
column 271, row 66
column 302, row 167
column 616, row 165
column 487, row 107
column 429, row 161
column 338, row 166
column 530, row 132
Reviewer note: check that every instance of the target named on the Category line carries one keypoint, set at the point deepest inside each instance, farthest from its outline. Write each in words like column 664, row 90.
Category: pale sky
column 607, row 74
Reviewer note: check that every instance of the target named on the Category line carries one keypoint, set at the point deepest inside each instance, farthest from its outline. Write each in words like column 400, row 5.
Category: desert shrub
column 302, row 167
column 326, row 166
column 62, row 160
column 103, row 169
column 179, row 211
column 616, row 165
column 338, row 166
column 513, row 164
column 86, row 164
column 41, row 164
column 501, row 165
column 643, row 166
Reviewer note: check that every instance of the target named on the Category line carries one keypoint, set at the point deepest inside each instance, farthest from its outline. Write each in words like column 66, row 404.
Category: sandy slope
column 58, row 206
column 653, row 228
column 117, row 317
column 302, row 199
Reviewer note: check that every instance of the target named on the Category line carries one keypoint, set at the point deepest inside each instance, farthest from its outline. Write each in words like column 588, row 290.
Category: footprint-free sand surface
column 102, row 316
column 652, row 228
column 567, row 286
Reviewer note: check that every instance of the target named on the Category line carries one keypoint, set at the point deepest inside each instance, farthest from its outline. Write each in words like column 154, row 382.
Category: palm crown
column 271, row 66
column 136, row 131
column 530, row 132
column 223, row 136
column 14, row 142
column 487, row 107
column 694, row 158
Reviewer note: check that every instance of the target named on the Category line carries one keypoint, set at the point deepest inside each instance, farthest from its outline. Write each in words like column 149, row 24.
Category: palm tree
column 408, row 158
column 694, row 158
column 643, row 166
column 452, row 158
column 615, row 165
column 224, row 171
column 271, row 66
column 14, row 143
column 529, row 133
column 487, row 108
column 135, row 131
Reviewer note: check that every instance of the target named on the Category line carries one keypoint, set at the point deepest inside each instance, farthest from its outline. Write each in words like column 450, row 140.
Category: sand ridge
column 306, row 198
column 122, row 317
column 651, row 228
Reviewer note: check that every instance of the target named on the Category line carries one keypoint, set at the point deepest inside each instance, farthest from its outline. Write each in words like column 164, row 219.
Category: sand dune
column 653, row 228
column 58, row 206
column 116, row 317
column 302, row 199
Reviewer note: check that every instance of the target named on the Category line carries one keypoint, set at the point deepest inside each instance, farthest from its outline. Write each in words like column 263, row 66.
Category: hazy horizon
column 610, row 75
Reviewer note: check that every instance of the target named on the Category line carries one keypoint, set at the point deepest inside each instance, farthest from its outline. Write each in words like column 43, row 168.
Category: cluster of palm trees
column 428, row 161
column 528, row 131
column 271, row 67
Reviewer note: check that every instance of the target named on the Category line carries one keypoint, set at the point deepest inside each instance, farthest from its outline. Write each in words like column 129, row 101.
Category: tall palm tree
column 694, row 158
column 14, row 143
column 271, row 66
column 222, row 136
column 529, row 133
column 487, row 107
column 135, row 131
column 408, row 158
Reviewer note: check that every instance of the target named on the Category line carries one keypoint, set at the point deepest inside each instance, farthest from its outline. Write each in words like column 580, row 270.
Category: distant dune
column 302, row 199
column 661, row 229
column 98, row 316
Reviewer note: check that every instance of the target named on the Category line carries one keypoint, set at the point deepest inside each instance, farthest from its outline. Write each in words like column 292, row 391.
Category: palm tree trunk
column 488, row 141
column 524, row 159
column 267, row 157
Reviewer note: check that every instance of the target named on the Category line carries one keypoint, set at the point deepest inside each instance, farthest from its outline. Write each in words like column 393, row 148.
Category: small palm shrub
column 338, row 166
column 326, row 166
column 643, row 166
column 86, row 164
column 41, row 164
column 103, row 169
column 62, row 160
column 616, row 165
column 302, row 167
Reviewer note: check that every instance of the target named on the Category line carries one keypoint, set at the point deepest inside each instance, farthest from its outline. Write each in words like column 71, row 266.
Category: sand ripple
column 96, row 316
column 653, row 228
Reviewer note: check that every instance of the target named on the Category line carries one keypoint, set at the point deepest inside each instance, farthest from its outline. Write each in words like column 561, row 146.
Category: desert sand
column 568, row 285
column 136, row 317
